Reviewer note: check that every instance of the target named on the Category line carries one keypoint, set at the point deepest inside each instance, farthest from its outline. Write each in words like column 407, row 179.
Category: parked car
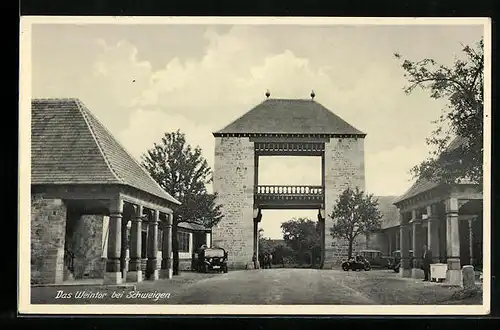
column 358, row 263
column 210, row 259
column 376, row 258
column 396, row 260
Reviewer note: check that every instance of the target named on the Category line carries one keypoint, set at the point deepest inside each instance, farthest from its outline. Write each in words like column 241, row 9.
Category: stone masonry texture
column 234, row 179
column 85, row 241
column 233, row 182
column 344, row 167
column 48, row 226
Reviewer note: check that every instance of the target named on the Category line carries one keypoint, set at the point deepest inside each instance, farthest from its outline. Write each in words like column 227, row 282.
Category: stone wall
column 344, row 167
column 48, row 226
column 85, row 240
column 233, row 181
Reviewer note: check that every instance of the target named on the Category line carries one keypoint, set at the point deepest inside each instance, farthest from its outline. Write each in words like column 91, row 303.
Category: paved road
column 312, row 286
column 276, row 286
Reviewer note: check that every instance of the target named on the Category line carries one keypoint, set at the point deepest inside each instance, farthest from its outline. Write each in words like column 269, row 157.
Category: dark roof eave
column 239, row 134
column 167, row 201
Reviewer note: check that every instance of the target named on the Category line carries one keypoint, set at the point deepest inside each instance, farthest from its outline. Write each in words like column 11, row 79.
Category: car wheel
column 345, row 267
column 396, row 269
column 367, row 268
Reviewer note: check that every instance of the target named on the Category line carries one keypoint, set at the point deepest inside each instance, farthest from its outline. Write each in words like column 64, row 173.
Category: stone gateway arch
column 282, row 127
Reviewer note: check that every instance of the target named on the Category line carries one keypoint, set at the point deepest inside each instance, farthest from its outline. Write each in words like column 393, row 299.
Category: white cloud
column 387, row 172
column 147, row 127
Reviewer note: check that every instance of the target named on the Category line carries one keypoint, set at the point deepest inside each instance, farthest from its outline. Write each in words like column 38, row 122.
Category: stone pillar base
column 166, row 273
column 417, row 273
column 257, row 265
column 454, row 277
column 249, row 266
column 134, row 276
column 404, row 272
column 113, row 278
column 154, row 275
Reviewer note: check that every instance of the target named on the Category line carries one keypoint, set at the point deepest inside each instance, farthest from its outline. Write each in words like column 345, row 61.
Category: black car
column 376, row 258
column 210, row 259
column 358, row 263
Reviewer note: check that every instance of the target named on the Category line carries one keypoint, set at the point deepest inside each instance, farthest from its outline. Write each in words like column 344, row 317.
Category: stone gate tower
column 287, row 127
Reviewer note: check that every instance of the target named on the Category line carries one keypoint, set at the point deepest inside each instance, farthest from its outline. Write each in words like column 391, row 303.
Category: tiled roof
column 390, row 214
column 423, row 185
column 418, row 187
column 287, row 116
column 70, row 146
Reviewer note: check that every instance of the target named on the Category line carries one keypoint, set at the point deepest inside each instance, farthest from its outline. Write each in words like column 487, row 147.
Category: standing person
column 426, row 262
column 270, row 260
column 254, row 260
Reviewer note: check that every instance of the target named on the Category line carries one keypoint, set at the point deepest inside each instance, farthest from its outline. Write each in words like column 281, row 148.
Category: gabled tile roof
column 70, row 146
column 390, row 213
column 420, row 186
column 289, row 116
column 423, row 185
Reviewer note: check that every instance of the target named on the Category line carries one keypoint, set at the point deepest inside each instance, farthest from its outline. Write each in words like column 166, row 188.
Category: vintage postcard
column 225, row 165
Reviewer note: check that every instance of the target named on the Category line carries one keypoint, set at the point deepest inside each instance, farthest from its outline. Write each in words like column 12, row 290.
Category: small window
column 183, row 239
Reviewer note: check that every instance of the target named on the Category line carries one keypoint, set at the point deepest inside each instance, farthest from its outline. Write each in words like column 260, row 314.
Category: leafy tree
column 183, row 172
column 302, row 235
column 354, row 214
column 462, row 87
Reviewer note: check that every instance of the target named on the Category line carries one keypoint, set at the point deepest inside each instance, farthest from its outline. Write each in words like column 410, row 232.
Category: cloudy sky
column 144, row 80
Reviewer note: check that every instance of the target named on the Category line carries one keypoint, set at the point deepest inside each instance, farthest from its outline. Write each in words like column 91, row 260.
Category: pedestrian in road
column 426, row 262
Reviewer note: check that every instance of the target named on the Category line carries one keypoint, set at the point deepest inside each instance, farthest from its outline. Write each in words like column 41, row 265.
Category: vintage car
column 376, row 258
column 210, row 259
column 396, row 260
column 358, row 263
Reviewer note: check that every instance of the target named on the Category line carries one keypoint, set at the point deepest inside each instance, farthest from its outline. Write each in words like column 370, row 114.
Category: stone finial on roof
column 268, row 93
column 312, row 95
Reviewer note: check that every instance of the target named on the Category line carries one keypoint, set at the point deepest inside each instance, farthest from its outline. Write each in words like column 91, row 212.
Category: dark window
column 183, row 239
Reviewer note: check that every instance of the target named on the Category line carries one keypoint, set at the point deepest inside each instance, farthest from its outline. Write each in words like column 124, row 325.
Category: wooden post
column 471, row 243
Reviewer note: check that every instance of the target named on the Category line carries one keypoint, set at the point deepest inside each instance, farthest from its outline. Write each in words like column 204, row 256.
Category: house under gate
column 282, row 127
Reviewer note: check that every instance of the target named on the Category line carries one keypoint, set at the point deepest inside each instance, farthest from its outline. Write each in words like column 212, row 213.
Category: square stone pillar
column 433, row 232
column 416, row 223
column 152, row 263
column 113, row 274
column 167, row 254
column 404, row 228
column 454, row 274
column 135, row 271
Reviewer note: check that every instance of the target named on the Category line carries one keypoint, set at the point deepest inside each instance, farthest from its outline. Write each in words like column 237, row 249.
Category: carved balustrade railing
column 291, row 191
